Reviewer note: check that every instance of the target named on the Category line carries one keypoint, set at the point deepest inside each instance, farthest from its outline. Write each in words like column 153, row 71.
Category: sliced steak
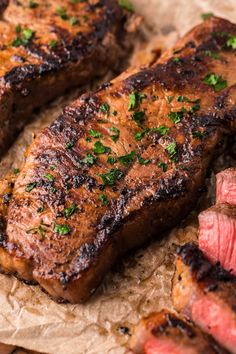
column 217, row 235
column 165, row 333
column 47, row 47
column 226, row 186
column 120, row 165
column 206, row 294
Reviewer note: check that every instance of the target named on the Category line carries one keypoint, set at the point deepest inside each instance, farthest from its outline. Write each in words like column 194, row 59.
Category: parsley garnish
column 211, row 54
column 52, row 43
column 171, row 149
column 69, row 145
column 126, row 4
column 89, row 160
column 162, row 130
column 30, row 186
column 186, row 99
column 127, row 159
column 99, row 148
column 206, row 15
column 33, row 4
column 74, row 21
column 231, row 42
column 162, row 165
column 105, row 108
column 116, row 134
column 103, row 199
column 198, row 135
column 111, row 160
column 138, row 117
column 169, row 98
column 70, row 210
column 61, row 11
column 61, row 229
column 40, row 209
column 139, row 136
column 27, row 35
column 143, row 161
column 49, row 177
column 95, row 134
column 16, row 171
column 18, row 28
column 111, row 177
column 135, row 99
column 176, row 117
column 40, row 230
column 176, row 60
column 216, row 81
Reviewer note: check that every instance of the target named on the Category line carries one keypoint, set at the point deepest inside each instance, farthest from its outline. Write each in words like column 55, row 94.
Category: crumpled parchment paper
column 139, row 284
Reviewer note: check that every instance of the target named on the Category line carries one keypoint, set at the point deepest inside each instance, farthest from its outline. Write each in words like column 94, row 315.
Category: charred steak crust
column 47, row 47
column 121, row 164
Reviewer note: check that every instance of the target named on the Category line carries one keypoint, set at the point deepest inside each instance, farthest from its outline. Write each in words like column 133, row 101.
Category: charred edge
column 3, row 235
column 193, row 257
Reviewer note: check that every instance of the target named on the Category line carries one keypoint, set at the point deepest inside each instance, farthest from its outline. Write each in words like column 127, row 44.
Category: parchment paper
column 141, row 283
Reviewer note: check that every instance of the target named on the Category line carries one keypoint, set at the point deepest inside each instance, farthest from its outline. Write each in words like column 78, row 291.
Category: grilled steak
column 226, row 186
column 165, row 333
column 47, row 47
column 120, row 165
column 206, row 294
column 217, row 235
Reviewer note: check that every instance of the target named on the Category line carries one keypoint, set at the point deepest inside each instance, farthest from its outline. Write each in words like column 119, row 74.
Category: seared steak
column 226, row 186
column 165, row 333
column 120, row 165
column 206, row 294
column 217, row 235
column 47, row 47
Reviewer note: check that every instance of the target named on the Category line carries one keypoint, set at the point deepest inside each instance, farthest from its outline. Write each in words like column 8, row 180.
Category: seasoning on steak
column 47, row 47
column 120, row 165
column 217, row 235
column 226, row 186
column 206, row 294
column 165, row 333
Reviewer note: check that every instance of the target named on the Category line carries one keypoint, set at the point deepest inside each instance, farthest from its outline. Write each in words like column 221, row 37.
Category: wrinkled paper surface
column 141, row 283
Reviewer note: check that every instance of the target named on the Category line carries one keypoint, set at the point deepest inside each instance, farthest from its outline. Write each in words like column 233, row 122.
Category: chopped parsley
column 231, row 42
column 105, row 108
column 127, row 159
column 176, row 60
column 186, row 99
column 211, row 54
column 70, row 210
column 26, row 36
column 111, row 160
column 41, row 229
column 126, row 4
column 216, row 81
column 16, row 171
column 198, row 135
column 40, row 209
column 140, row 135
column 73, row 21
column 61, row 229
column 162, row 130
column 176, row 117
column 143, row 161
column 61, row 11
column 18, row 28
column 49, row 177
column 103, row 199
column 33, row 4
column 162, row 165
column 206, row 15
column 89, row 159
column 30, row 186
column 194, row 108
column 114, row 113
column 138, row 117
column 169, row 98
column 116, row 134
column 69, row 145
column 52, row 43
column 99, row 148
column 172, row 151
column 111, row 177
column 95, row 134
column 135, row 99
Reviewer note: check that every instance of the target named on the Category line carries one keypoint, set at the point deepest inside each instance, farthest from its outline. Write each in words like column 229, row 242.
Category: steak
column 206, row 294
column 165, row 333
column 120, row 165
column 226, row 186
column 217, row 235
column 47, row 47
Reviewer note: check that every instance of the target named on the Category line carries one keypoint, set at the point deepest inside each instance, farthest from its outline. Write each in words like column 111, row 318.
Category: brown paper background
column 141, row 283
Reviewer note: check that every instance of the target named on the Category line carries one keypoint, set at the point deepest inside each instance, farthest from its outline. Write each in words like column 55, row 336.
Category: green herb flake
column 89, row 159
column 33, row 4
column 111, row 177
column 95, row 134
column 70, row 210
column 231, row 42
column 40, row 209
column 198, row 135
column 135, row 99
column 52, row 43
column 99, row 148
column 172, row 151
column 169, row 98
column 162, row 130
column 114, row 113
column 28, row 34
column 206, row 15
column 103, row 199
column 69, row 145
column 194, row 108
column 216, row 81
column 61, row 11
column 176, row 60
column 176, row 117
column 213, row 55
column 140, row 135
column 18, row 28
column 105, row 108
column 127, row 159
column 61, row 229
column 49, row 177
column 41, row 229
column 162, row 165
column 154, row 98
column 138, row 117
column 16, row 171
column 126, row 4
column 116, row 134
column 143, row 161
column 73, row 21
column 30, row 186
column 111, row 160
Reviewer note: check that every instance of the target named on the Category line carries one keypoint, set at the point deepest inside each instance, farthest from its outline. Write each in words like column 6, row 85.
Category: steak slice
column 226, row 186
column 206, row 294
column 120, row 165
column 217, row 235
column 47, row 47
column 165, row 333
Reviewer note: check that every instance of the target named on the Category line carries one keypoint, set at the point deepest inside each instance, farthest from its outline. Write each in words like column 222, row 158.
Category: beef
column 217, row 235
column 206, row 294
column 120, row 165
column 165, row 333
column 47, row 47
column 226, row 186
